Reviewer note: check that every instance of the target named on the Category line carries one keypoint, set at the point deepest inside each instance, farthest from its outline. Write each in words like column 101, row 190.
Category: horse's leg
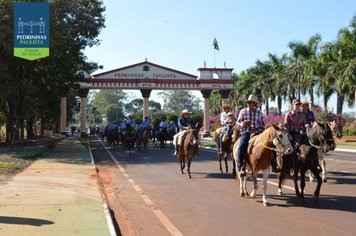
column 264, row 186
column 323, row 168
column 302, row 181
column 319, row 183
column 188, row 165
column 219, row 158
column 226, row 165
column 255, row 186
column 233, row 165
column 281, row 176
column 182, row 163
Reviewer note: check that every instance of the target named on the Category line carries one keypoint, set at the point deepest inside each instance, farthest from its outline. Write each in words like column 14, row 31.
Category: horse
column 145, row 137
column 163, row 137
column 259, row 157
column 129, row 139
column 337, row 132
column 170, row 135
column 188, row 149
column 227, row 143
column 306, row 158
column 113, row 138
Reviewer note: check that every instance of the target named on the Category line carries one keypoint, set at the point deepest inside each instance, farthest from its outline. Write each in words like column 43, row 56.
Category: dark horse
column 227, row 143
column 306, row 158
column 163, row 137
column 113, row 137
column 129, row 139
column 188, row 149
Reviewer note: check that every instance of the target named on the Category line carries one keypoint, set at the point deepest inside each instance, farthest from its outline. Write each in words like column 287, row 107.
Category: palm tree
column 303, row 65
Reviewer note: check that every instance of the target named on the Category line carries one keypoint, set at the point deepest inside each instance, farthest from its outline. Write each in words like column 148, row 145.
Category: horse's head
column 324, row 135
column 336, row 129
column 193, row 136
column 281, row 140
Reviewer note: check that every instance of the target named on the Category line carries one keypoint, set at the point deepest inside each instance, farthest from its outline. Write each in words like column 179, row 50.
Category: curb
column 345, row 150
column 108, row 217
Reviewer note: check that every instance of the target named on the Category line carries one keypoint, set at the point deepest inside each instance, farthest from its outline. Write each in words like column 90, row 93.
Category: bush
column 273, row 119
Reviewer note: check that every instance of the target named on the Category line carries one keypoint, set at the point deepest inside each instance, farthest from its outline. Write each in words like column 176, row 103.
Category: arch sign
column 147, row 76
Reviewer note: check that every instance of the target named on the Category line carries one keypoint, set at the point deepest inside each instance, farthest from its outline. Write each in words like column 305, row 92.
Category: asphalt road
column 153, row 198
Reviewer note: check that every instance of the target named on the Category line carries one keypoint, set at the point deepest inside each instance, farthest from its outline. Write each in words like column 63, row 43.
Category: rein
column 312, row 144
column 271, row 148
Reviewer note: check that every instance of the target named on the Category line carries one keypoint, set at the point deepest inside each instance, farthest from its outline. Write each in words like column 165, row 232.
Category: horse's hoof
column 266, row 204
column 242, row 194
column 190, row 176
column 280, row 193
column 325, row 180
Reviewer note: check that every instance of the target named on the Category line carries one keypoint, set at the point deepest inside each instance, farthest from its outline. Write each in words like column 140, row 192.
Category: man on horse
column 309, row 115
column 184, row 122
column 295, row 121
column 227, row 121
column 172, row 128
column 112, row 127
column 130, row 121
column 163, row 125
column 250, row 113
column 144, row 125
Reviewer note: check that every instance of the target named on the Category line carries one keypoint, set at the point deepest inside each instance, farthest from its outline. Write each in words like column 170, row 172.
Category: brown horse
column 146, row 137
column 188, row 149
column 259, row 157
column 227, row 143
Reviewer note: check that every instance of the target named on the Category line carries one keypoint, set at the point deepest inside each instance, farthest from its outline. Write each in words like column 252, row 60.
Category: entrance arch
column 147, row 76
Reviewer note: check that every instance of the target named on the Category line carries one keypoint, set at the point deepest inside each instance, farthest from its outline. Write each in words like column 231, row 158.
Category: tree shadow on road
column 24, row 221
column 342, row 177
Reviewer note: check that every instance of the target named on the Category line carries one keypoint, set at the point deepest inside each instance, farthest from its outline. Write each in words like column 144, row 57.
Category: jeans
column 224, row 129
column 242, row 151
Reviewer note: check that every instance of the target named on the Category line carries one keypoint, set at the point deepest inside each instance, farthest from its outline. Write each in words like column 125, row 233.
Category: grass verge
column 10, row 165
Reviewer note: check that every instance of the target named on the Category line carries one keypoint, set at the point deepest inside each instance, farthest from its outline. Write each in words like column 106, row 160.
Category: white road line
column 332, row 159
column 159, row 214
column 276, row 184
column 147, row 200
column 137, row 188
column 166, row 222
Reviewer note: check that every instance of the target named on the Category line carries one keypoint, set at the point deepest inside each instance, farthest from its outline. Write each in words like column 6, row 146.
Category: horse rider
column 145, row 123
column 112, row 127
column 184, row 122
column 223, row 117
column 123, row 125
column 230, row 121
column 255, row 116
column 130, row 121
column 172, row 127
column 295, row 121
column 163, row 125
column 309, row 115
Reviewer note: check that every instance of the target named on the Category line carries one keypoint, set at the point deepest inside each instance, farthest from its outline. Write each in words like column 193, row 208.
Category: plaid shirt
column 294, row 121
column 256, row 119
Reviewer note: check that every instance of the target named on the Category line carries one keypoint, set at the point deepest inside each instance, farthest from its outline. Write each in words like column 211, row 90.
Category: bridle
column 275, row 148
column 323, row 141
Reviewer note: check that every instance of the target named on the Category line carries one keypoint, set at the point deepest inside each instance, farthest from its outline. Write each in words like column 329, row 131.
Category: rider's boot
column 274, row 165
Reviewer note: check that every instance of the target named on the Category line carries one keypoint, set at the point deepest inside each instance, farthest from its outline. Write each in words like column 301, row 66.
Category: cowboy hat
column 226, row 105
column 305, row 103
column 253, row 98
column 230, row 113
column 185, row 111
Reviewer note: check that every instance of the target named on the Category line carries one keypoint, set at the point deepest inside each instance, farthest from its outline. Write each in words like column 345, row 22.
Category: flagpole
column 214, row 57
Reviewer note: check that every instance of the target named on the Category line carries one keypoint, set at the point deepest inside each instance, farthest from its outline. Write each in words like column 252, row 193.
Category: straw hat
column 226, row 105
column 185, row 111
column 253, row 98
column 305, row 103
column 230, row 113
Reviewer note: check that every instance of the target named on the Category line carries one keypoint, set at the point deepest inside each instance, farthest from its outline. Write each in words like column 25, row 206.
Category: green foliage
column 114, row 113
column 10, row 165
column 176, row 101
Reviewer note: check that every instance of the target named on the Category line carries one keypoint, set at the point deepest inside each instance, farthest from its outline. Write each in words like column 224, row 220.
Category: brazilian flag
column 215, row 44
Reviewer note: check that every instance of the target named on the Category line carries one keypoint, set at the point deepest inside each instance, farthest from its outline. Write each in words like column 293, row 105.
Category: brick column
column 145, row 94
column 206, row 96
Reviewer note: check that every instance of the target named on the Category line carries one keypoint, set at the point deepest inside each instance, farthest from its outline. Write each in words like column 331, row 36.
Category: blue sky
column 179, row 34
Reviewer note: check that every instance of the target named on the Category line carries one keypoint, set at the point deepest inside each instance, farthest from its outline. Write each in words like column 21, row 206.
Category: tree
column 136, row 105
column 177, row 101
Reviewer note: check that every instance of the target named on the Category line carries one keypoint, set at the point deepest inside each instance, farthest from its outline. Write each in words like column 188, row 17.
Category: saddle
column 251, row 143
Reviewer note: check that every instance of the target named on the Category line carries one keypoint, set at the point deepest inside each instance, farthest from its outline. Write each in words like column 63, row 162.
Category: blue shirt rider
column 184, row 122
column 112, row 127
column 130, row 121
column 172, row 127
column 163, row 124
column 309, row 115
column 144, row 124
